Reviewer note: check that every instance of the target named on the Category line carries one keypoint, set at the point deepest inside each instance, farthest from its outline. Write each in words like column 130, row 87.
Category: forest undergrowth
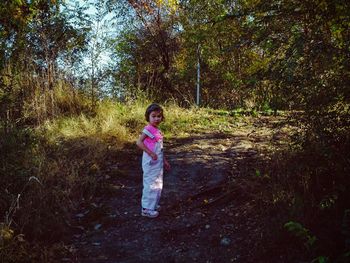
column 47, row 170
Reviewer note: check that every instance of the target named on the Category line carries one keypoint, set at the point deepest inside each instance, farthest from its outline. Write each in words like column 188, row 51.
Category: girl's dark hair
column 153, row 107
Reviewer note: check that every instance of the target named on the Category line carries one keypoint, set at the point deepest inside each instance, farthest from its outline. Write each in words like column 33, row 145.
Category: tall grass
column 123, row 122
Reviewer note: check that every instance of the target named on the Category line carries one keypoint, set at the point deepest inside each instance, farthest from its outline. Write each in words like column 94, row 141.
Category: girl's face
column 155, row 118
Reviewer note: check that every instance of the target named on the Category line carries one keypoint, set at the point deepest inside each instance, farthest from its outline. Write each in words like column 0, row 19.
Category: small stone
column 225, row 241
column 230, row 226
column 114, row 167
column 80, row 215
column 20, row 238
column 97, row 226
column 207, row 226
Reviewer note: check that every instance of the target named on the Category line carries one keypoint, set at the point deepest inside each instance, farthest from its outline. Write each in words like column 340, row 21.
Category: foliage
column 146, row 54
column 310, row 188
column 34, row 51
column 301, row 232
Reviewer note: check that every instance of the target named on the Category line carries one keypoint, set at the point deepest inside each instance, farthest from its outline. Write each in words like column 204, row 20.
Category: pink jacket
column 153, row 136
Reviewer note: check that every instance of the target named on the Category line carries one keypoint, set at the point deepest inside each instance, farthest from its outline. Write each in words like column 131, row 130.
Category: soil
column 210, row 206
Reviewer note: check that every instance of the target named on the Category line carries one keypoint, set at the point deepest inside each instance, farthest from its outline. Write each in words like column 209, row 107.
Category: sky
column 99, row 29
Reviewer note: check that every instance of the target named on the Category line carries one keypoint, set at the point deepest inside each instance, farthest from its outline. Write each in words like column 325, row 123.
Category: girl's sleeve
column 148, row 133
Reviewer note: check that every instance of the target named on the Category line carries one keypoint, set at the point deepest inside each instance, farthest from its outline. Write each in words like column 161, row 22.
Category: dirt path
column 206, row 216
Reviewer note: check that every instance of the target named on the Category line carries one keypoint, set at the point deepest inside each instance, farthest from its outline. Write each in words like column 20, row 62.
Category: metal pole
column 198, row 74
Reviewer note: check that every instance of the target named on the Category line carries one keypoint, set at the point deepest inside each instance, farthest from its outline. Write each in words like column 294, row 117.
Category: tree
column 153, row 44
column 32, row 50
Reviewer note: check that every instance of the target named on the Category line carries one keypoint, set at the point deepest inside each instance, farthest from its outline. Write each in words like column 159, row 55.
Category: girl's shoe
column 149, row 213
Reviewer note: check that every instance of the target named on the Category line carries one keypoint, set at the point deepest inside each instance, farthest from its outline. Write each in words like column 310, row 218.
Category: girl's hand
column 167, row 165
column 154, row 156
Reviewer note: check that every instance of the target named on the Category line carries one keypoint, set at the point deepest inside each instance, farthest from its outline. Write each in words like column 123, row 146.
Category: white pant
column 152, row 179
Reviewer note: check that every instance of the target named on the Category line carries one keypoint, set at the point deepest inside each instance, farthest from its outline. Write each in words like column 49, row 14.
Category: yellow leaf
column 6, row 233
column 95, row 167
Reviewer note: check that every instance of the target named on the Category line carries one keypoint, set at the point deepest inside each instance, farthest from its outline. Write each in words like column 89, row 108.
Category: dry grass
column 123, row 122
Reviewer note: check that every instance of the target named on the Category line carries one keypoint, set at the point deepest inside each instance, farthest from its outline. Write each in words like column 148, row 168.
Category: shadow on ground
column 209, row 208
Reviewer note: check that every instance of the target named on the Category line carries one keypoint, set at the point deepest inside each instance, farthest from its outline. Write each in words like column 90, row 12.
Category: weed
column 257, row 173
column 301, row 232
column 320, row 259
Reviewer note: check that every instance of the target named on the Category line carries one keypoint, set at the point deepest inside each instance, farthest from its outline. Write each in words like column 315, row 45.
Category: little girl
column 153, row 161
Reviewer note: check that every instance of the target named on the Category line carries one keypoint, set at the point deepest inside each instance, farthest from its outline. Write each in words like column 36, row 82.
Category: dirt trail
column 204, row 217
